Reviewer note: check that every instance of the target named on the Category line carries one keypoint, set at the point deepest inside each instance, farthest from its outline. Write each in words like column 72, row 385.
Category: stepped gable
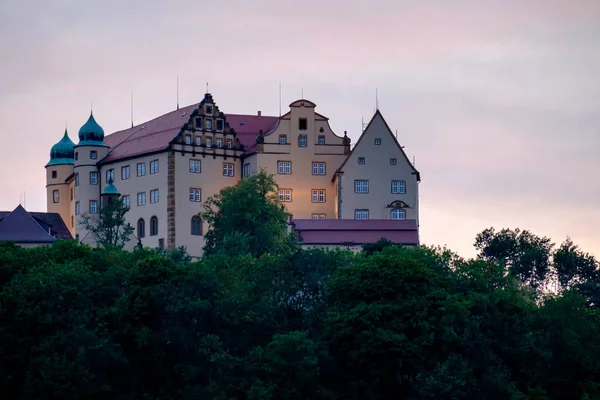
column 19, row 226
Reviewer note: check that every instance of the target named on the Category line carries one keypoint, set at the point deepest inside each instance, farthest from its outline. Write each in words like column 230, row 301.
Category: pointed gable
column 21, row 227
column 374, row 130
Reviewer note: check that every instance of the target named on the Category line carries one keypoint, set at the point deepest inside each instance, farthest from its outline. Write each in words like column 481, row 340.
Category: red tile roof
column 156, row 134
column 341, row 231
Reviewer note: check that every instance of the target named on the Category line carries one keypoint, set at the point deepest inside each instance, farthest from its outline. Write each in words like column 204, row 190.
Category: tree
column 109, row 227
column 247, row 218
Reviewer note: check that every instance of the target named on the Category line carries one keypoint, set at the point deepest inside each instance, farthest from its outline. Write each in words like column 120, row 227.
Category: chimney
column 259, row 113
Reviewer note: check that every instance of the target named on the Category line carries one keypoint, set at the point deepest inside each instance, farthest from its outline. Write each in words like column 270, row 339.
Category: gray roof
column 22, row 227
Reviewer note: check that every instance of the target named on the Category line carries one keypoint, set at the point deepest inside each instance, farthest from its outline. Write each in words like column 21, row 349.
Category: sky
column 497, row 100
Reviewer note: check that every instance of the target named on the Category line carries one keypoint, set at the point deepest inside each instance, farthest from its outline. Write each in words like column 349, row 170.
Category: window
column 285, row 195
column 198, row 140
column 195, row 195
column 208, row 142
column 318, row 168
column 302, row 140
column 220, row 143
column 227, row 169
column 54, row 174
column 361, row 214
column 195, row 166
column 154, row 167
column 302, row 124
column 77, row 208
column 154, row 196
column 76, row 156
column 219, row 125
column 141, row 199
column 125, row 172
column 198, row 122
column 153, row 226
column 76, row 178
column 72, row 195
column 361, row 160
column 318, row 216
column 208, row 124
column 55, row 197
column 209, row 109
column 110, row 174
column 196, row 226
column 318, row 196
column 93, row 178
column 321, row 140
column 361, row 187
column 141, row 169
column 398, row 214
column 141, row 228
column 93, row 154
column 393, row 161
column 161, row 243
column 126, row 201
column 188, row 139
column 72, row 221
column 377, row 141
column 93, row 206
column 282, row 139
column 229, row 143
column 246, row 170
column 398, row 187
column 284, row 167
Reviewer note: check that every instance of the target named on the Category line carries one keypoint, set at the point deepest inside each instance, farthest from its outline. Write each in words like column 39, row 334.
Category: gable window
column 246, row 171
column 209, row 109
column 393, row 161
column 219, row 143
column 195, row 195
column 76, row 208
column 398, row 187
column 208, row 142
column 285, row 195
column 302, row 124
column 198, row 122
column 318, row 168
column 188, row 139
column 198, row 140
column 55, row 197
column 141, row 228
column 318, row 196
column 318, row 216
column 208, row 123
column 282, row 139
column 141, row 199
column 195, row 166
column 93, row 154
column 125, row 172
column 219, row 125
column 321, row 140
column 110, row 174
column 153, row 226
column 284, row 167
column 76, row 178
column 154, row 167
column 398, row 214
column 229, row 143
column 93, row 178
column 302, row 140
column 227, row 169
column 126, row 201
column 154, row 196
column 141, row 169
column 93, row 206
column 361, row 214
column 54, row 174
column 361, row 187
column 361, row 160
column 377, row 141
column 196, row 226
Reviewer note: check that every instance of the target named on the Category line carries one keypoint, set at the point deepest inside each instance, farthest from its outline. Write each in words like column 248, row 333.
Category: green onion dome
column 62, row 152
column 110, row 189
column 91, row 133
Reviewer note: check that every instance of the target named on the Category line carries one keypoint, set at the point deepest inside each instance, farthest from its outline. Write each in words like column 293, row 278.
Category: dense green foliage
column 109, row 226
column 266, row 320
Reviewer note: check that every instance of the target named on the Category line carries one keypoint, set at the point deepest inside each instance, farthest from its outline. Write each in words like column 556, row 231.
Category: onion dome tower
column 110, row 192
column 58, row 170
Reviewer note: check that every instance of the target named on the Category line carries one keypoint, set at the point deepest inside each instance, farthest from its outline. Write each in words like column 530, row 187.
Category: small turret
column 91, row 134
column 62, row 152
column 110, row 192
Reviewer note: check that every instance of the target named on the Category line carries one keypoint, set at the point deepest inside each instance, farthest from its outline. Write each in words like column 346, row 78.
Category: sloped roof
column 342, row 231
column 52, row 221
column 378, row 114
column 156, row 134
column 21, row 227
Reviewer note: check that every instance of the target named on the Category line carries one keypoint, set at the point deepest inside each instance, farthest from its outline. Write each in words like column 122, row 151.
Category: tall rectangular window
column 154, row 167
column 141, row 169
column 76, row 178
column 188, row 139
column 126, row 201
column 93, row 154
column 318, row 196
column 195, row 195
column 220, row 143
column 154, row 196
column 318, row 168
column 125, row 172
column 220, row 125
column 198, row 140
column 246, row 172
column 227, row 169
column 55, row 197
column 141, row 199
column 302, row 124
column 285, row 195
column 93, row 178
column 302, row 140
column 72, row 195
column 208, row 142
column 93, row 206
column 284, row 167
column 229, row 143
column 76, row 208
column 361, row 187
column 195, row 166
column 398, row 187
column 321, row 140
column 361, row 214
column 110, row 174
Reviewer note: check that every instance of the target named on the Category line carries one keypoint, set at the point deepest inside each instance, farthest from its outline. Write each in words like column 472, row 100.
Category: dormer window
column 282, row 139
column 208, row 124
column 209, row 109
column 219, row 125
column 302, row 124
column 321, row 140
column 378, row 141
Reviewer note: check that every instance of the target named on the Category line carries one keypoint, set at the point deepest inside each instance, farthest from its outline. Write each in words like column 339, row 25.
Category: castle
column 165, row 168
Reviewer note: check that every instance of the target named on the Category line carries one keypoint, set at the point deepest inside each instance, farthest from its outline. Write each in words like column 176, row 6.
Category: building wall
column 301, row 181
column 63, row 207
column 380, row 173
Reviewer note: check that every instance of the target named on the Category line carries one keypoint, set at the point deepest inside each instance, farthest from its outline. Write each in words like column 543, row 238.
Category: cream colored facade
column 300, row 150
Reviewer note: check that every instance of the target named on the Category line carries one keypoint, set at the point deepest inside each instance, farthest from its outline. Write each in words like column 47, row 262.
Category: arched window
column 153, row 226
column 398, row 214
column 196, row 226
column 141, row 228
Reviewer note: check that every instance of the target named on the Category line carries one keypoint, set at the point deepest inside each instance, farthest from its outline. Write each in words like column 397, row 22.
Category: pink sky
column 499, row 101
